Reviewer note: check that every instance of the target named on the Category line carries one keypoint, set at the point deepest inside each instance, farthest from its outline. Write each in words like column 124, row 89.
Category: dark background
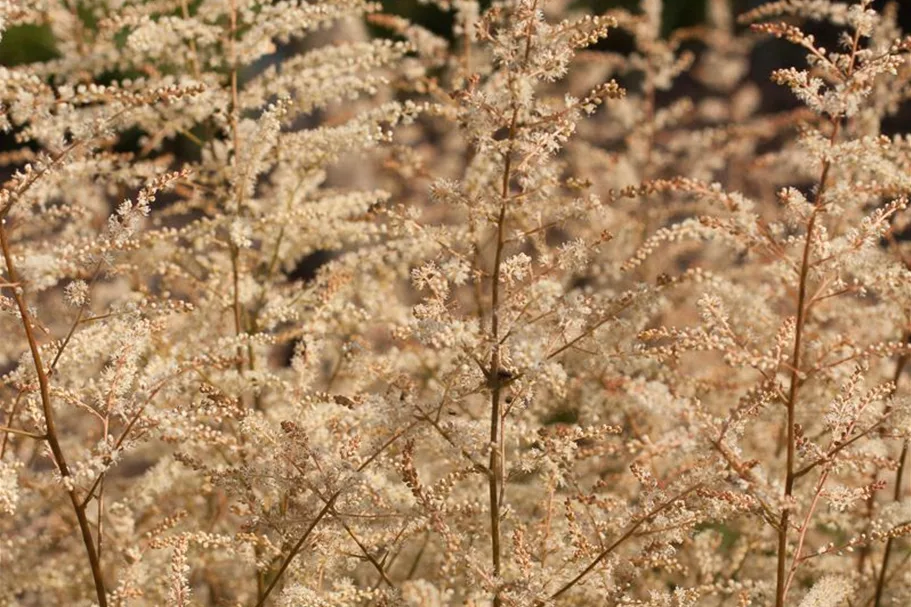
column 29, row 43
column 25, row 44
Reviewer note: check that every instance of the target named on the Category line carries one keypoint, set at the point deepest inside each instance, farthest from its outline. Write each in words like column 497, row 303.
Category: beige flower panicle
column 504, row 304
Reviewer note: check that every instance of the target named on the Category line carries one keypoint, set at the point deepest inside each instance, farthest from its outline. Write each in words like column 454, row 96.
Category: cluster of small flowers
column 297, row 312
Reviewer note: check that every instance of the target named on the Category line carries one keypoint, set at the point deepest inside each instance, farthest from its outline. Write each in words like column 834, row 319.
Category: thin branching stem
column 883, row 578
column 795, row 377
column 494, row 467
column 326, row 509
column 796, row 358
column 19, row 432
column 49, row 419
column 630, row 532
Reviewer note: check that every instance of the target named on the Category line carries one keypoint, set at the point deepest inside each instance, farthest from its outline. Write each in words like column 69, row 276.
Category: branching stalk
column 327, row 508
column 51, row 427
column 630, row 532
column 795, row 376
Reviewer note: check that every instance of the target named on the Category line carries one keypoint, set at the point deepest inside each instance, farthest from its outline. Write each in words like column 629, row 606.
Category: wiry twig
column 795, row 376
column 630, row 532
column 51, row 428
column 329, row 505
column 22, row 433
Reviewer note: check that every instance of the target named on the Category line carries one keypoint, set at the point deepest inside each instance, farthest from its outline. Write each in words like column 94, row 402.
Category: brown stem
column 790, row 477
column 781, row 589
column 330, row 503
column 51, row 432
column 791, row 409
column 804, row 528
column 495, row 476
column 297, row 548
column 631, row 530
column 123, row 435
column 79, row 316
column 364, row 550
column 417, row 558
column 232, row 59
column 10, row 419
column 624, row 304
column 838, row 448
column 495, row 464
column 8, row 430
column 883, row 577
column 235, row 136
column 495, row 471
column 897, row 496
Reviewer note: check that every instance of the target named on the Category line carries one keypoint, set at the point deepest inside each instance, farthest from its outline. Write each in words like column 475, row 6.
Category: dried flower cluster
column 305, row 305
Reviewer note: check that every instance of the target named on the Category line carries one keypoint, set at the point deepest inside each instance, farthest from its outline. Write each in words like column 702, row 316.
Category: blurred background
column 31, row 43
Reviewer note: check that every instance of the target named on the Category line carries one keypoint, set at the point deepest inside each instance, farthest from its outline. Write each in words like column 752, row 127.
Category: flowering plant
column 305, row 304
